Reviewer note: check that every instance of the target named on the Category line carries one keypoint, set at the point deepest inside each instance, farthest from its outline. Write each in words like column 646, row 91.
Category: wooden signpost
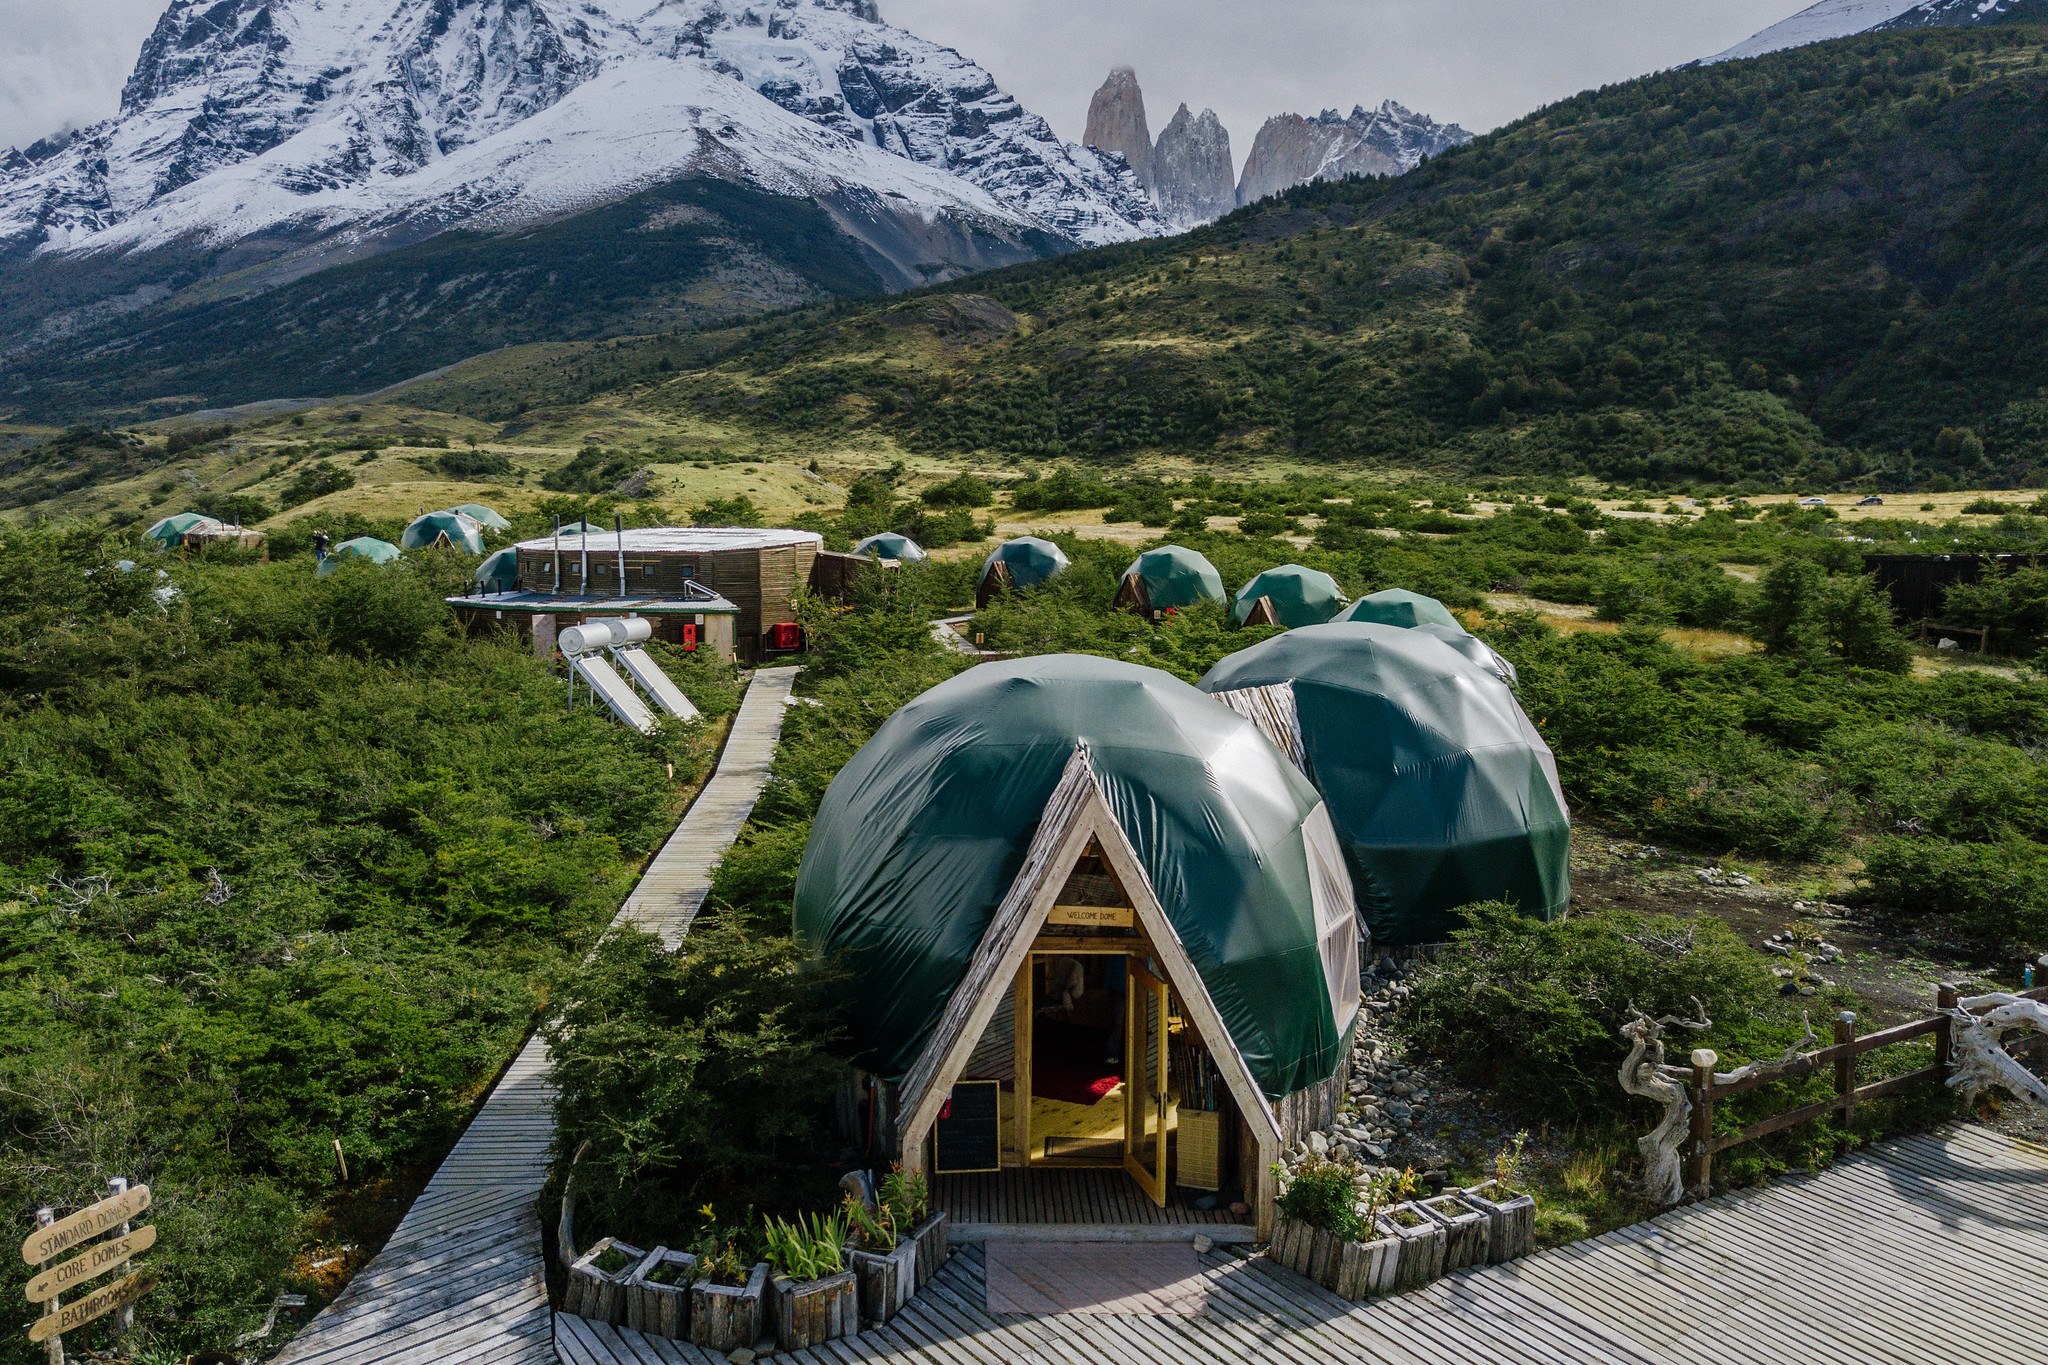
column 54, row 1236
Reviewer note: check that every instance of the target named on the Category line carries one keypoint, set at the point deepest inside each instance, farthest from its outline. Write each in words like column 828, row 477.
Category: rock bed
column 1408, row 1114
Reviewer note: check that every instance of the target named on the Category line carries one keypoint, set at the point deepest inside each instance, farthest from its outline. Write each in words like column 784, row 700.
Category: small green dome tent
column 1399, row 607
column 1170, row 577
column 581, row 528
column 172, row 529
column 499, row 572
column 1022, row 563
column 889, row 545
column 460, row 531
column 362, row 547
column 920, row 836
column 484, row 516
column 1300, row 597
column 1442, row 791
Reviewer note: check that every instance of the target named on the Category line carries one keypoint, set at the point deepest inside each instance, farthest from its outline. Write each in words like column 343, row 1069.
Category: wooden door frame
column 1152, row 1183
column 1074, row 814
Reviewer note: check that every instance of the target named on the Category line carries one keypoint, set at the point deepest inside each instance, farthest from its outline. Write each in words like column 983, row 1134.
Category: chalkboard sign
column 969, row 1133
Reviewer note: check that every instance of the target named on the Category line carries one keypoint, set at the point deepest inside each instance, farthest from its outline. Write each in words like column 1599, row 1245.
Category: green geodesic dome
column 362, row 547
column 462, row 532
column 1030, row 560
column 889, row 545
column 172, row 529
column 484, row 516
column 1399, row 607
column 1175, row 577
column 1301, row 597
column 920, row 836
column 499, row 572
column 1442, row 791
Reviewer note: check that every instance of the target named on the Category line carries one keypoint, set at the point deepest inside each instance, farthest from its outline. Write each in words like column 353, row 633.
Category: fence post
column 1698, row 1179
column 1845, row 1066
column 53, row 1349
column 1944, row 1029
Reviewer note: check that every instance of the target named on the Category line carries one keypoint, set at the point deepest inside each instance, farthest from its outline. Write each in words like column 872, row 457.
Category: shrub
column 1324, row 1194
column 696, row 1075
column 469, row 464
column 316, row 480
column 964, row 490
column 1803, row 610
column 1534, row 1010
column 1994, row 894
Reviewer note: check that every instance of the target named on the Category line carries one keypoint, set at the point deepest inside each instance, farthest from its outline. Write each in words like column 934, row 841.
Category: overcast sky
column 1476, row 62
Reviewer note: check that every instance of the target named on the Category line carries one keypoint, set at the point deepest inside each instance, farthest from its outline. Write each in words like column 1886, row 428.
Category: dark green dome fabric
column 1030, row 561
column 921, row 834
column 1175, row 576
column 1301, row 597
column 1399, row 607
column 1441, row 790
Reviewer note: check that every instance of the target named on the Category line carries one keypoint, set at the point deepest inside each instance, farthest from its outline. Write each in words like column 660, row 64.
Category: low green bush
column 700, row 1075
column 1534, row 1010
column 1994, row 894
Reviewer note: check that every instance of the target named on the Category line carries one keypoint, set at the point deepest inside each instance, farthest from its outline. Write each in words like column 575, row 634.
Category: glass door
column 1145, row 1099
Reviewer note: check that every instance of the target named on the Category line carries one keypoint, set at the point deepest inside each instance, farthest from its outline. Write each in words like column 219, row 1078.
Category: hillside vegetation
column 1824, row 266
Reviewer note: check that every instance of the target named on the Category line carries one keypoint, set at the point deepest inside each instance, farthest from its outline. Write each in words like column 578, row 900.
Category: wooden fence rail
column 1706, row 1091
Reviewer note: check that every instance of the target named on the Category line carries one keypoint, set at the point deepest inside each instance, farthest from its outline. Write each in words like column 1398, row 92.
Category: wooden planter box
column 815, row 1311
column 1422, row 1246
column 597, row 1294
column 1511, row 1224
column 660, row 1310
column 887, row 1279
column 1350, row 1270
column 1466, row 1230
column 724, row 1319
column 930, row 1237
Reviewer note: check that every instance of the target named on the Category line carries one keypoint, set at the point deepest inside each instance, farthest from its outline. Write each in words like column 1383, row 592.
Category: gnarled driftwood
column 1645, row 1074
column 1978, row 1059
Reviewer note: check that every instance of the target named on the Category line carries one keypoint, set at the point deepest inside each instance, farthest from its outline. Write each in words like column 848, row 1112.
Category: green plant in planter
column 906, row 1197
column 870, row 1231
column 1324, row 1194
column 611, row 1261
column 674, row 1273
column 807, row 1247
column 724, row 1254
column 1379, row 1189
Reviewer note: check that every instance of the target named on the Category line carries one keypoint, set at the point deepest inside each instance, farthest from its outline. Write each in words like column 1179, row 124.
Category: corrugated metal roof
column 538, row 603
column 680, row 540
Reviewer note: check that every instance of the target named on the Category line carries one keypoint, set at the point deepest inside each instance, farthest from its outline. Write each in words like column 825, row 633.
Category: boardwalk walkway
column 460, row 1279
column 1924, row 1251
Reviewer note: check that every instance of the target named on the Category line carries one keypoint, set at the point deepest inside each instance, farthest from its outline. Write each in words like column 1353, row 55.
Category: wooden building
column 755, row 572
column 1918, row 584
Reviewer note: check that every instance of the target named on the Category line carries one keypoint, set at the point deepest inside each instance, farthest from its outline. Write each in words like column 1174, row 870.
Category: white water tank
column 606, row 634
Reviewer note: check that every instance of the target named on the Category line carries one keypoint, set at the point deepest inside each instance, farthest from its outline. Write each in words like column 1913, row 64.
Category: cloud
column 63, row 62
column 1476, row 62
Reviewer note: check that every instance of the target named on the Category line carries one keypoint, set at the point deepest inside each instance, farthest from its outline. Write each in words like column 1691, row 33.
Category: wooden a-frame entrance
column 1076, row 817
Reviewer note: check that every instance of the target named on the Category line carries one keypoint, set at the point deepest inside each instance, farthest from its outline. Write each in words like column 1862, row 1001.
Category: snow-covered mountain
column 1844, row 18
column 1390, row 140
column 312, row 131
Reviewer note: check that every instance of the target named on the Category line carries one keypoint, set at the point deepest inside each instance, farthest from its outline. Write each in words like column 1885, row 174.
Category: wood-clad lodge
column 758, row 571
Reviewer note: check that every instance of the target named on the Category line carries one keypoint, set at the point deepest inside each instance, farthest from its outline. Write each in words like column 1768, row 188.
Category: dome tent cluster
column 1389, row 778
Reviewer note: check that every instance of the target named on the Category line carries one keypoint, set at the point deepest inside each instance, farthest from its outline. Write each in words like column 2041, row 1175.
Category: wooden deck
column 1924, row 1251
column 460, row 1280
column 980, row 1206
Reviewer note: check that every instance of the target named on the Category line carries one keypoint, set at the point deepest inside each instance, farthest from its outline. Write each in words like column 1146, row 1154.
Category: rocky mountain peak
column 1390, row 140
column 1116, row 122
column 1193, row 176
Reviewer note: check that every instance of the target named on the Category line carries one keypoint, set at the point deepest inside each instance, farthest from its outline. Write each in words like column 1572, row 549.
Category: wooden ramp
column 460, row 1279
column 1925, row 1251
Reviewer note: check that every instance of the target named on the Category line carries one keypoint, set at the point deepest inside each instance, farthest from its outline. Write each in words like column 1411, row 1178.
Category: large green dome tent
column 1442, row 791
column 1300, row 597
column 362, row 547
column 459, row 531
column 920, row 837
column 1168, row 579
column 1017, row 564
column 1399, row 607
column 1475, row 649
column 499, row 572
column 484, row 516
column 890, row 545
column 171, row 530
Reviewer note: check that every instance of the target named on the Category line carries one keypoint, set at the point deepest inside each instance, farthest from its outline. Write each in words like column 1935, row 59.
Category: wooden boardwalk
column 1053, row 1196
column 1929, row 1250
column 460, row 1280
